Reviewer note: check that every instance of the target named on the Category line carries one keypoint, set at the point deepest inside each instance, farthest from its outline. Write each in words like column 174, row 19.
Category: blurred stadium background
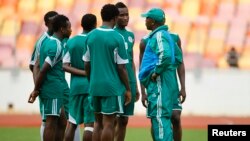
column 208, row 29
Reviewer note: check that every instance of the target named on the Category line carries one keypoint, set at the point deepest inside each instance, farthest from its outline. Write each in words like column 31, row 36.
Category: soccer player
column 66, row 92
column 48, row 17
column 158, row 74
column 179, row 97
column 48, row 84
column 104, row 61
column 34, row 67
column 122, row 119
column 79, row 104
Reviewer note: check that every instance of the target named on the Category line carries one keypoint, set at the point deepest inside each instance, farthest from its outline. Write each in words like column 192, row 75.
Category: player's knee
column 88, row 129
column 88, row 133
column 62, row 124
column 123, row 121
column 175, row 119
column 51, row 120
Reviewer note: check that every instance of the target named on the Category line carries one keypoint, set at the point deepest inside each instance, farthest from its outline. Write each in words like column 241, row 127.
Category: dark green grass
column 133, row 134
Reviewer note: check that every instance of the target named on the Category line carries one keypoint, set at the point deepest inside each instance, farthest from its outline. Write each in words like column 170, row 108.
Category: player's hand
column 127, row 97
column 33, row 96
column 144, row 100
column 137, row 95
column 182, row 95
column 154, row 77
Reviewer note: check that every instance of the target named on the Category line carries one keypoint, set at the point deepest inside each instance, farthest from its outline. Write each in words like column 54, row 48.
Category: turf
column 133, row 134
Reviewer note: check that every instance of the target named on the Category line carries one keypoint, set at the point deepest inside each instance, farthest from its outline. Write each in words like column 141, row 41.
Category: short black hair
column 120, row 5
column 109, row 12
column 59, row 21
column 88, row 22
column 49, row 15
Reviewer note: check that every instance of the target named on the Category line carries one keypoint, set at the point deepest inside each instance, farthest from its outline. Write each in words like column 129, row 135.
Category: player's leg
column 50, row 128
column 121, row 121
column 88, row 131
column 108, row 127
column 176, row 122
column 152, row 131
column 76, row 116
column 97, row 127
column 89, row 118
column 120, row 128
column 41, row 106
column 62, row 123
column 70, row 131
column 52, row 111
column 160, row 105
column 176, row 116
column 111, row 106
column 161, row 129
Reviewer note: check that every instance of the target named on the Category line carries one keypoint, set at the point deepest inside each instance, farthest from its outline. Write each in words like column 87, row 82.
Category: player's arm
column 46, row 67
column 134, row 69
column 122, row 72
column 49, row 62
column 137, row 97
column 68, row 68
column 36, row 69
column 122, row 59
column 86, row 59
column 32, row 60
column 87, row 69
column 31, row 67
column 181, row 75
column 164, row 55
column 143, row 92
column 34, row 63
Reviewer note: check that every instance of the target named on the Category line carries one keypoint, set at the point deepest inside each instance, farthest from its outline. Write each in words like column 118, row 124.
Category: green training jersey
column 145, row 40
column 74, row 53
column 105, row 48
column 35, row 54
column 177, row 50
column 52, row 52
column 65, row 85
column 129, row 43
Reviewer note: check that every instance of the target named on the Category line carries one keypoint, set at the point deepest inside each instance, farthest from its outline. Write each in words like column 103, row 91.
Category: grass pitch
column 133, row 134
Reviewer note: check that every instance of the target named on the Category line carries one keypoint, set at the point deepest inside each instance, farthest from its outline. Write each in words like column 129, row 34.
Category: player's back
column 40, row 42
column 75, row 47
column 105, row 46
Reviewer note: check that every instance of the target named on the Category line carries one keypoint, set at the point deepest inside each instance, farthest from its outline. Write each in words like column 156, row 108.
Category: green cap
column 156, row 14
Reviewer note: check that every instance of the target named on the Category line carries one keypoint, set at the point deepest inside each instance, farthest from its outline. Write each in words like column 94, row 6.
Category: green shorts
column 177, row 102
column 80, row 110
column 51, row 107
column 162, row 129
column 66, row 100
column 41, row 109
column 107, row 105
column 129, row 109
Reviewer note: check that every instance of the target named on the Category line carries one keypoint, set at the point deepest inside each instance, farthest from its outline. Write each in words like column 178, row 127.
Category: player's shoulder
column 42, row 37
column 174, row 34
column 130, row 32
column 146, row 37
column 54, row 42
column 77, row 36
column 100, row 29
